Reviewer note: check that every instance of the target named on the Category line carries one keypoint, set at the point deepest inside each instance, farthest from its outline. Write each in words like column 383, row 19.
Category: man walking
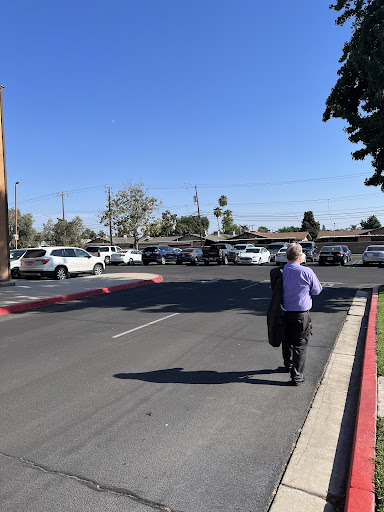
column 299, row 284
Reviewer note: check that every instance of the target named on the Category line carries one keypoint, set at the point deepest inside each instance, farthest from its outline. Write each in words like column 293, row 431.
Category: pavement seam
column 91, row 484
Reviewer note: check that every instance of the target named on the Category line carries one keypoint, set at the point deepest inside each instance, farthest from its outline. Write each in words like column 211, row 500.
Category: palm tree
column 223, row 201
column 217, row 213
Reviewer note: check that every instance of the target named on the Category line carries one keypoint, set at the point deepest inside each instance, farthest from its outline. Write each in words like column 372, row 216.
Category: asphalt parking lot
column 164, row 396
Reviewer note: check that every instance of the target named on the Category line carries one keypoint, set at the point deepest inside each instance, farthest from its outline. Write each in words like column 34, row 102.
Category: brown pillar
column 4, row 245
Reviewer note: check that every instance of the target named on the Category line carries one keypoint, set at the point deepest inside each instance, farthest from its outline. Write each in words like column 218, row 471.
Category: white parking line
column 254, row 284
column 145, row 325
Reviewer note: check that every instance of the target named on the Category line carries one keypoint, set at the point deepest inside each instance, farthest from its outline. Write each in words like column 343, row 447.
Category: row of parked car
column 60, row 262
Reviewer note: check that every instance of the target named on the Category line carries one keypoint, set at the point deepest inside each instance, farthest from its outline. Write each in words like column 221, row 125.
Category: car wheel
column 259, row 262
column 342, row 262
column 178, row 262
column 97, row 269
column 162, row 261
column 206, row 262
column 130, row 262
column 60, row 273
column 225, row 260
column 107, row 260
column 145, row 262
column 269, row 259
column 15, row 273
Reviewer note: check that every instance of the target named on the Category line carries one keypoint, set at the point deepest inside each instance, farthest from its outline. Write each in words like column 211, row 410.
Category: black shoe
column 297, row 382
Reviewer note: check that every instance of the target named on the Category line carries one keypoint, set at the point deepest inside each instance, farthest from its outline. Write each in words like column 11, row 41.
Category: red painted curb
column 361, row 488
column 16, row 308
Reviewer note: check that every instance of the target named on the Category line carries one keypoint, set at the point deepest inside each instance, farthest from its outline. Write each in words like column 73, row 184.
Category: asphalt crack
column 92, row 484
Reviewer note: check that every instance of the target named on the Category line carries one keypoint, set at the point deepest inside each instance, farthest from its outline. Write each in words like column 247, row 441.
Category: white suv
column 59, row 262
column 103, row 251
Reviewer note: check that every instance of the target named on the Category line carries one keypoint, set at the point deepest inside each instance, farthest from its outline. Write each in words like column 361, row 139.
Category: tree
column 189, row 224
column 227, row 222
column 262, row 229
column 358, row 96
column 63, row 232
column 167, row 224
column 242, row 228
column 352, row 227
column 223, row 201
column 131, row 210
column 371, row 223
column 88, row 234
column 288, row 229
column 309, row 224
column 25, row 229
column 217, row 212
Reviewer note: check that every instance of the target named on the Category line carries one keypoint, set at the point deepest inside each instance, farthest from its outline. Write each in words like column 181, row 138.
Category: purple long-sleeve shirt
column 299, row 283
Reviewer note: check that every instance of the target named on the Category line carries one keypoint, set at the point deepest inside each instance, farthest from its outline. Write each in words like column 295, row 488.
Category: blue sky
column 225, row 95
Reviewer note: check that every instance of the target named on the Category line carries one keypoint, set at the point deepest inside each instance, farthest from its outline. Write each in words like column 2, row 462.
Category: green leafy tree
column 227, row 222
column 262, row 229
column 309, row 224
column 168, row 223
column 63, row 232
column 358, row 96
column 371, row 223
column 189, row 224
column 288, row 229
column 242, row 228
column 26, row 231
column 131, row 211
column 223, row 201
column 217, row 212
column 88, row 234
column 352, row 227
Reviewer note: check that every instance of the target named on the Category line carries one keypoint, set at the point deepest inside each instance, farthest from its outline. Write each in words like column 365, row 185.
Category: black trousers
column 297, row 332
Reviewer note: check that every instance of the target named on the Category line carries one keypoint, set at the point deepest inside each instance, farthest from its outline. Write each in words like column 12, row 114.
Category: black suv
column 158, row 254
column 310, row 250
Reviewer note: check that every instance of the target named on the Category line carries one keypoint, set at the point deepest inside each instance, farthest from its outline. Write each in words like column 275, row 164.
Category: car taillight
column 340, row 253
column 99, row 254
column 44, row 261
column 220, row 252
column 121, row 254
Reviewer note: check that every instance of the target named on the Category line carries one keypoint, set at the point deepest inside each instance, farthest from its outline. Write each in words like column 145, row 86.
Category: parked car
column 347, row 251
column 373, row 254
column 14, row 261
column 238, row 248
column 219, row 253
column 333, row 254
column 161, row 254
column 103, row 251
column 60, row 262
column 310, row 250
column 274, row 248
column 281, row 257
column 191, row 255
column 126, row 257
column 254, row 255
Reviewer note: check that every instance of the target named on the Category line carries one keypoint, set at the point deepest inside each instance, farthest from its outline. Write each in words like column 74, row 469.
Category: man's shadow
column 178, row 376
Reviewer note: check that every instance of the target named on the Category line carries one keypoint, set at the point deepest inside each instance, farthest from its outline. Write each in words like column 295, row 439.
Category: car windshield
column 187, row 250
column 92, row 249
column 252, row 250
column 307, row 245
column 331, row 248
column 275, row 246
column 375, row 248
column 16, row 254
column 282, row 251
column 240, row 246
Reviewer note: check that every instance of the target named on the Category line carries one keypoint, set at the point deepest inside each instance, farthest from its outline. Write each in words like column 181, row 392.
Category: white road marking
column 254, row 284
column 327, row 284
column 210, row 281
column 145, row 325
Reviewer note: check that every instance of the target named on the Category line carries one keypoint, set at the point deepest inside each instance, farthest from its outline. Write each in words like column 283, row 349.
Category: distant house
column 357, row 239
column 265, row 239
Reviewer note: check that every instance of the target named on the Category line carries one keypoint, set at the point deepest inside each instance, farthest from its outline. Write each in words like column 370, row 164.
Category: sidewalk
column 31, row 294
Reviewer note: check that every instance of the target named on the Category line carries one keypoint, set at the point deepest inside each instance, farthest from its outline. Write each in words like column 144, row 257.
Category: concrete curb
column 16, row 308
column 361, row 488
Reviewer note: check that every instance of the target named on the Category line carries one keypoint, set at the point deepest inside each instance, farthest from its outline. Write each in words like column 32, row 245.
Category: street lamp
column 16, row 235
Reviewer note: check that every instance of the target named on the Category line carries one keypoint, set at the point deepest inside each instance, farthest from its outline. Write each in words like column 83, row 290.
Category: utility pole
column 109, row 215
column 62, row 194
column 198, row 213
column 16, row 234
column 4, row 233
